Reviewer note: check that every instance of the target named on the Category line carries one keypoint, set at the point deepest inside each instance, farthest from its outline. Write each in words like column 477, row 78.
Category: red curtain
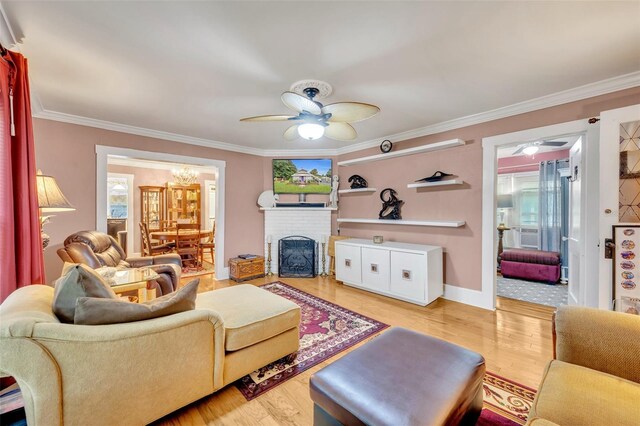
column 21, row 258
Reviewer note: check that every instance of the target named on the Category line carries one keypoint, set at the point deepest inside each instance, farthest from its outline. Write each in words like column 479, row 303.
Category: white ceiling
column 196, row 68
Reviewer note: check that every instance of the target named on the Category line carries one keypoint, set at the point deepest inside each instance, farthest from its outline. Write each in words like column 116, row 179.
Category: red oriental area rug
column 327, row 329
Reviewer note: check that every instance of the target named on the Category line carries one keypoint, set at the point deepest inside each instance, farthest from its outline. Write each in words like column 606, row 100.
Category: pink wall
column 462, row 245
column 67, row 151
column 143, row 177
column 529, row 163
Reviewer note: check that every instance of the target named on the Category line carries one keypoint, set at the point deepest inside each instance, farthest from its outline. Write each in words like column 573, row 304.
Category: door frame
column 206, row 210
column 218, row 167
column 130, row 207
column 609, row 133
column 487, row 297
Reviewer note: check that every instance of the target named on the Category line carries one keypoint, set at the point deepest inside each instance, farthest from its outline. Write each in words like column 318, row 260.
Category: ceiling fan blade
column 299, row 103
column 519, row 150
column 554, row 143
column 350, row 112
column 291, row 133
column 269, row 118
column 340, row 132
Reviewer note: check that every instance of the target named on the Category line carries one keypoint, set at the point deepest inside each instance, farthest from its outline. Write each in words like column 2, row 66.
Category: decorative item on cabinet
column 378, row 239
column 358, row 182
column 437, row 176
column 391, row 205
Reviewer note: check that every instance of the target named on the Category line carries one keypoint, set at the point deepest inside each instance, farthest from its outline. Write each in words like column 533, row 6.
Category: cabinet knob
column 374, row 268
column 347, row 263
column 406, row 274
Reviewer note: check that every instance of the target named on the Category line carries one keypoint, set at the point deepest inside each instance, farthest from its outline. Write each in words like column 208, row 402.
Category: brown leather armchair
column 96, row 249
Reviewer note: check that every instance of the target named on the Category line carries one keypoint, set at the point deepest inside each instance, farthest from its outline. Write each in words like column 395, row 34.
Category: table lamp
column 50, row 200
column 505, row 201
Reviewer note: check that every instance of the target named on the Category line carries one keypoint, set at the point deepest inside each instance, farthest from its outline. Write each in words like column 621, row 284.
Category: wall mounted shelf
column 438, row 183
column 440, row 223
column 355, row 191
column 401, row 153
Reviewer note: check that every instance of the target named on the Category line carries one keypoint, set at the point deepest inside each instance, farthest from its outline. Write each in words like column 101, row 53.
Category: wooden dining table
column 172, row 235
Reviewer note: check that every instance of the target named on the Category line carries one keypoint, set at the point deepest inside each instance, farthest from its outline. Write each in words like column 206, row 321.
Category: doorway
column 491, row 218
column 537, row 200
column 215, row 167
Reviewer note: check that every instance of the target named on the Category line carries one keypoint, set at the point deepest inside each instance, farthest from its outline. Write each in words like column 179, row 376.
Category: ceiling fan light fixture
column 530, row 150
column 311, row 131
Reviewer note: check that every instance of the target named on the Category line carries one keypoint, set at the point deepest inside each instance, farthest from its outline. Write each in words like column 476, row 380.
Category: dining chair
column 188, row 243
column 209, row 244
column 148, row 248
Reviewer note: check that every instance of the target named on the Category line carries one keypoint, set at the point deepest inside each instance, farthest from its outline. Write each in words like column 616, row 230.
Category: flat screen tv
column 304, row 176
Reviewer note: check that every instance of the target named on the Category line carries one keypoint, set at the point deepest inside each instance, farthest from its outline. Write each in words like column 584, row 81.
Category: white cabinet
column 410, row 272
column 375, row 268
column 348, row 262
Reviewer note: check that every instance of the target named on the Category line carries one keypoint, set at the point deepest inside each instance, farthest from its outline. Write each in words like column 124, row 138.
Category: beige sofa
column 137, row 372
column 595, row 376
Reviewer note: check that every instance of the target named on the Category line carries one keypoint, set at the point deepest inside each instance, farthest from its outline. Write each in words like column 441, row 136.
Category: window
column 117, row 198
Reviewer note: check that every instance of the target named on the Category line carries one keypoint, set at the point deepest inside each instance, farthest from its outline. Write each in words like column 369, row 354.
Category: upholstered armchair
column 96, row 249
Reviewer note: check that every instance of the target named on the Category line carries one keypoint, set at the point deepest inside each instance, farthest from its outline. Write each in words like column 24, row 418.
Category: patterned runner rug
column 327, row 329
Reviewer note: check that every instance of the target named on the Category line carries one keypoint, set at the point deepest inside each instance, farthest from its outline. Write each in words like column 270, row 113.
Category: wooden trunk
column 246, row 269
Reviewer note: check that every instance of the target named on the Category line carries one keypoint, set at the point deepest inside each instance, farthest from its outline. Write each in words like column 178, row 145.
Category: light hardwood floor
column 515, row 346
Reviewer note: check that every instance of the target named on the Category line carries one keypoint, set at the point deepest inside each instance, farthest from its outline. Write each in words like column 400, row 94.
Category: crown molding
column 154, row 165
column 590, row 90
column 571, row 95
column 141, row 131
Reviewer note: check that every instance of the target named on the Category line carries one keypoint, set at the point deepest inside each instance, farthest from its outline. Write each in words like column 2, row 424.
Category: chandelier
column 184, row 176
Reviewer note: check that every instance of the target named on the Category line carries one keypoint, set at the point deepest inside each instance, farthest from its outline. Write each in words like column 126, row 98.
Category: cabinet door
column 408, row 274
column 375, row 268
column 348, row 264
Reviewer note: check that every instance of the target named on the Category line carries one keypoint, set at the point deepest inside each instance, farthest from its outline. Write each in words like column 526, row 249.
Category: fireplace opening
column 297, row 257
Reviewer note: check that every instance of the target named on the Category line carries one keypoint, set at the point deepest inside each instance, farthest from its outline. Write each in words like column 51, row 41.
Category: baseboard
column 467, row 296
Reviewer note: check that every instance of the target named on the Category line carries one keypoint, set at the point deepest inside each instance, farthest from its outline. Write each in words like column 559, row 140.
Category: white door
column 573, row 237
column 614, row 125
column 375, row 268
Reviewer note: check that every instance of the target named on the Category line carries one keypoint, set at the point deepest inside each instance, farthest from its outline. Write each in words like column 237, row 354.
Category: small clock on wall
column 386, row 146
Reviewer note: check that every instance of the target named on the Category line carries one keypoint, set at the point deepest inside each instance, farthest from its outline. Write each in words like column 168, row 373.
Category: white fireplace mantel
column 310, row 222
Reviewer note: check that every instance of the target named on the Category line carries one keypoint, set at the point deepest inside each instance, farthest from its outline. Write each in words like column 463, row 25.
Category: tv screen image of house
column 304, row 176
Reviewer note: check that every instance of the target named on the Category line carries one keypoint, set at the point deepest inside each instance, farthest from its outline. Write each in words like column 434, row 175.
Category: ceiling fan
column 315, row 120
column 531, row 148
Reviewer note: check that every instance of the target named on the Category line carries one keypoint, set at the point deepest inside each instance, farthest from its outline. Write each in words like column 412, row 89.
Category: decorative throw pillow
column 97, row 311
column 77, row 280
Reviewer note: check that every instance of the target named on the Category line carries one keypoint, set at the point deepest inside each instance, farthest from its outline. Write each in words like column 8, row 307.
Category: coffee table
column 134, row 279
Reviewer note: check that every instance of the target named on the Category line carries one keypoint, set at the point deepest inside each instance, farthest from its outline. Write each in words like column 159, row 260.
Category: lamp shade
column 50, row 197
column 505, row 201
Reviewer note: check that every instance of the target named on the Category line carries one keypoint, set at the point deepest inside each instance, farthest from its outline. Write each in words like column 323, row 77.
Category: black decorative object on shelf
column 390, row 205
column 435, row 177
column 358, row 182
column 386, row 146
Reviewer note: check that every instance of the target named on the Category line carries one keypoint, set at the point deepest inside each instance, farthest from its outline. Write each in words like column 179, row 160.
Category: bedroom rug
column 532, row 291
column 325, row 330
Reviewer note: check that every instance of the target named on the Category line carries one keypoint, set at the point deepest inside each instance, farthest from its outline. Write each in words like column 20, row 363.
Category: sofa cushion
column 97, row 311
column 250, row 314
column 531, row 256
column 77, row 280
column 573, row 395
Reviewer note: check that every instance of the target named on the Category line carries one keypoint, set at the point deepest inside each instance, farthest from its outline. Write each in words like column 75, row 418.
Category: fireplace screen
column 297, row 257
